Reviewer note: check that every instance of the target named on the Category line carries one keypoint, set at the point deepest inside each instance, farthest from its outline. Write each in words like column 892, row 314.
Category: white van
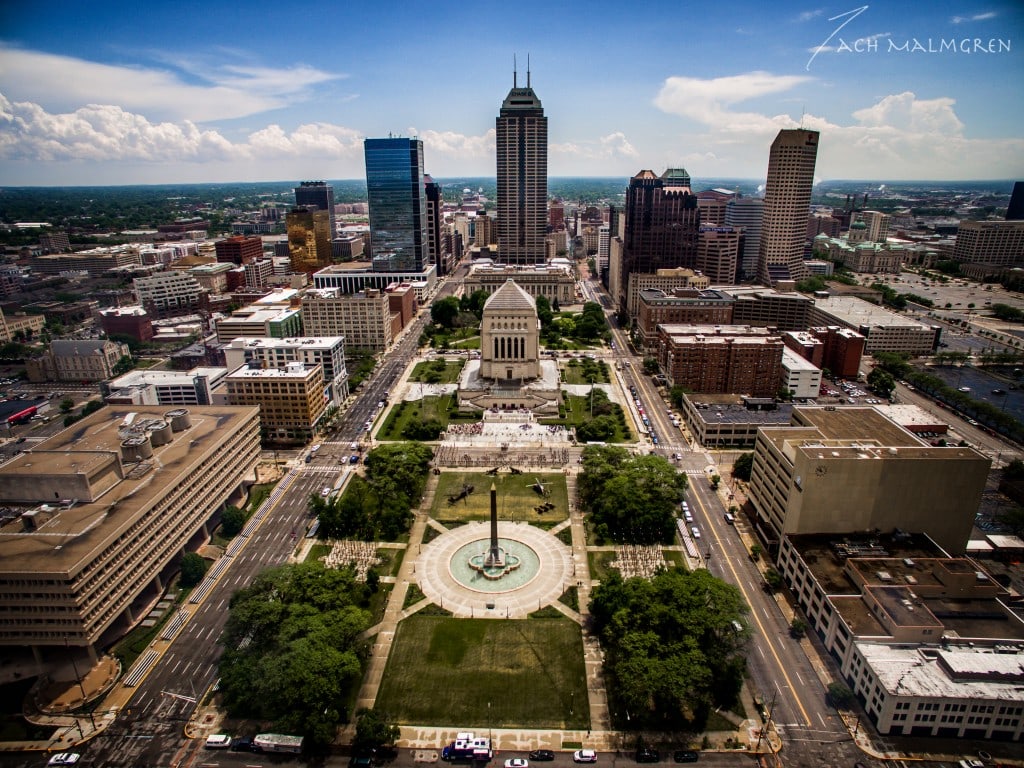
column 218, row 741
column 729, row 518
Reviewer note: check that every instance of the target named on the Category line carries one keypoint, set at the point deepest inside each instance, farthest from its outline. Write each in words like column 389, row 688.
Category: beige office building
column 292, row 399
column 666, row 279
column 787, row 205
column 851, row 469
column 990, row 242
column 102, row 514
column 364, row 319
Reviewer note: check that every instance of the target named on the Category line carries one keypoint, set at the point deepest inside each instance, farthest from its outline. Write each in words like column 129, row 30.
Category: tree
column 633, row 499
column 123, row 365
column 743, row 466
column 444, row 311
column 66, row 405
column 651, row 366
column 232, row 522
column 544, row 312
column 755, row 552
column 840, row 695
column 797, row 627
column 193, row 568
column 715, row 481
column 1014, row 470
column 773, row 580
column 1013, row 519
column 881, row 382
column 374, row 730
column 672, row 652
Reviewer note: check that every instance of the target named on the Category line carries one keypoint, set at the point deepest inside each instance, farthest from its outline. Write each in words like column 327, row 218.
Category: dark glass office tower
column 1015, row 210
column 397, row 201
column 319, row 194
column 522, row 148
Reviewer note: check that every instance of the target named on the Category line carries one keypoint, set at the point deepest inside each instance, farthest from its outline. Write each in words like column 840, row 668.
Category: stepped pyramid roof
column 510, row 296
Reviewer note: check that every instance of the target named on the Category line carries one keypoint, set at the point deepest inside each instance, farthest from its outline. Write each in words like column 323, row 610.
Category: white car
column 64, row 758
column 517, row 762
column 695, row 531
column 584, row 756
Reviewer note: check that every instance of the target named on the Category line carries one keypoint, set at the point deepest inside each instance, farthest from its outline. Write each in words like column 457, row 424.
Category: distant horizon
column 465, row 177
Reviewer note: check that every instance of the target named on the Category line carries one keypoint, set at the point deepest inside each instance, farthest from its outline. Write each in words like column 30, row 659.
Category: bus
column 277, row 742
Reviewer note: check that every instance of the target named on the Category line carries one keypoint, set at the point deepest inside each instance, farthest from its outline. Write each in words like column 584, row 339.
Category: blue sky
column 93, row 93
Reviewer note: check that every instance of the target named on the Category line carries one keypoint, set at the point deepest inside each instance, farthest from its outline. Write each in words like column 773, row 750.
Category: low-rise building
column 666, row 280
column 799, row 376
column 256, row 320
column 555, row 281
column 883, row 330
column 77, row 360
column 357, row 276
column 133, row 322
column 150, row 387
column 680, row 306
column 730, row 421
column 22, row 325
column 166, row 294
column 766, row 307
column 926, row 641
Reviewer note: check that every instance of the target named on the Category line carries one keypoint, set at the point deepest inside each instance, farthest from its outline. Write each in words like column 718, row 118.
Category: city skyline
column 898, row 91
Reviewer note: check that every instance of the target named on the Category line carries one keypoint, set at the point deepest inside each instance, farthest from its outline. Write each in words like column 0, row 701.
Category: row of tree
column 631, row 499
column 673, row 644
column 379, row 506
column 292, row 654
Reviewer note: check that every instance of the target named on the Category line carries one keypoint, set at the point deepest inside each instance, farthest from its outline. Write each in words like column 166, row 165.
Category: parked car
column 542, row 755
column 241, row 745
column 64, row 758
column 686, row 756
column 517, row 762
column 646, row 755
column 584, row 756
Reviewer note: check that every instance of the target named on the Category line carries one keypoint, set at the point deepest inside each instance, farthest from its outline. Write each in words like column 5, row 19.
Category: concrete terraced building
column 97, row 517
column 883, row 331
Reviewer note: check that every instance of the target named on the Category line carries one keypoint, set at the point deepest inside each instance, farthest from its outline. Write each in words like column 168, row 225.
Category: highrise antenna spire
column 515, row 72
column 527, row 70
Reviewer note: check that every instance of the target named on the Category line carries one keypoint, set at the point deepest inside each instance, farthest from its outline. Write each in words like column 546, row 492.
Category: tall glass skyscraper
column 522, row 145
column 398, row 205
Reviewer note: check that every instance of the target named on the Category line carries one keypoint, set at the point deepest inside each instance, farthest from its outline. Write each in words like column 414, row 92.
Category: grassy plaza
column 517, row 498
column 486, row 673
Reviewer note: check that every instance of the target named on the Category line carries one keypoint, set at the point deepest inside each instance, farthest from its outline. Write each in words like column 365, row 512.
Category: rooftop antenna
column 803, row 112
column 527, row 70
column 515, row 72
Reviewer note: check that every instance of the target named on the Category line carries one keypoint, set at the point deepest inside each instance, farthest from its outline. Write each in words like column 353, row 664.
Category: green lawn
column 472, row 343
column 436, row 374
column 516, row 497
column 486, row 673
column 579, row 413
column 585, row 371
column 600, row 564
column 407, row 411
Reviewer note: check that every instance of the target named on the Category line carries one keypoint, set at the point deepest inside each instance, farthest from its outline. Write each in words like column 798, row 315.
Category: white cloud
column 105, row 133
column 976, row 17
column 613, row 145
column 809, row 15
column 897, row 136
column 450, row 145
column 708, row 102
column 228, row 91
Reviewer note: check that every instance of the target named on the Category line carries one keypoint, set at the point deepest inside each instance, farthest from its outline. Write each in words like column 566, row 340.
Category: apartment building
column 799, row 376
column 680, row 306
column 291, row 399
column 256, row 320
column 721, row 359
column 104, row 512
column 364, row 319
column 166, row 294
column 327, row 352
